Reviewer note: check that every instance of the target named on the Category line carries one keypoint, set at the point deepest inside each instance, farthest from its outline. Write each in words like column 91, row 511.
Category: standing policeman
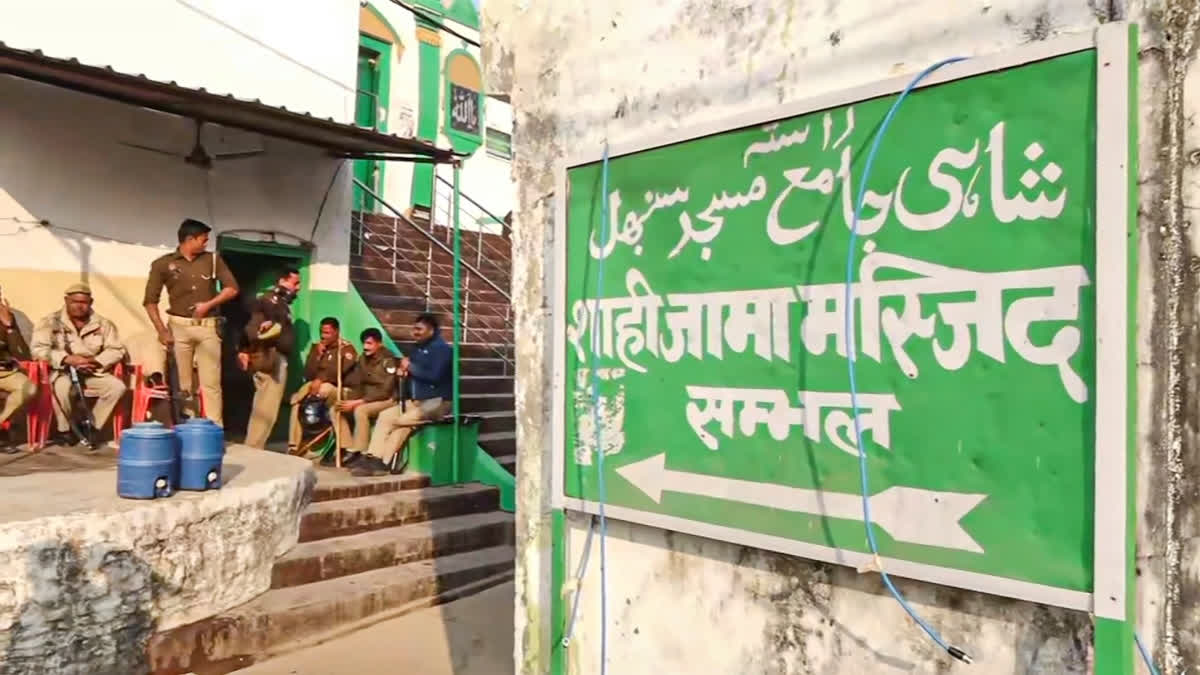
column 270, row 338
column 190, row 274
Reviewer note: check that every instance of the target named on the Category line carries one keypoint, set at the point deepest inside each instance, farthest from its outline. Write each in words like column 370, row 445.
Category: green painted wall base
column 431, row 452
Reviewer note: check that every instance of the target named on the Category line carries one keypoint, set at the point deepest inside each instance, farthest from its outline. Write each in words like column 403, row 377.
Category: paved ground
column 58, row 458
column 472, row 636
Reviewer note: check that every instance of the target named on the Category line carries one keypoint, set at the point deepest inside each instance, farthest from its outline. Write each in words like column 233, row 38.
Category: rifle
column 88, row 431
column 173, row 393
column 87, row 434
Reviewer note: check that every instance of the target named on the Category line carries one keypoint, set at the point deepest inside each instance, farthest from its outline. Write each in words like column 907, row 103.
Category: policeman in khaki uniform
column 270, row 339
column 76, row 336
column 372, row 389
column 19, row 388
column 190, row 274
column 321, row 376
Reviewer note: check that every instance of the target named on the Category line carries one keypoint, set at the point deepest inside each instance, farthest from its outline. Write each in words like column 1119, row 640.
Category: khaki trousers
column 105, row 388
column 198, row 345
column 363, row 415
column 268, row 394
column 327, row 392
column 394, row 426
column 20, row 390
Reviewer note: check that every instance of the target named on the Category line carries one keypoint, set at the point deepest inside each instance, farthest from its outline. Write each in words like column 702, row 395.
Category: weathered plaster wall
column 581, row 73
column 86, row 577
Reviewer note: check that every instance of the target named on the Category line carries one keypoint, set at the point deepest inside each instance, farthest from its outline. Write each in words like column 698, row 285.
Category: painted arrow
column 908, row 514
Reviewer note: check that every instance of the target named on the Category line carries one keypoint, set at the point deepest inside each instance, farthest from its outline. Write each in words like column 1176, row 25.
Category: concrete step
column 341, row 517
column 286, row 618
column 315, row 561
column 490, row 366
column 493, row 422
column 499, row 443
column 487, row 384
column 338, row 484
column 509, row 462
column 473, row 403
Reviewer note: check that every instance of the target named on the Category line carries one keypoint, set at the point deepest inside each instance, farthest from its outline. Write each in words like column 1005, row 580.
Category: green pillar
column 429, row 60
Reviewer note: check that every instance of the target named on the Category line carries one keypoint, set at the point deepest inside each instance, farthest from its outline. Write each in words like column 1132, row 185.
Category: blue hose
column 852, row 344
column 1137, row 639
column 602, row 495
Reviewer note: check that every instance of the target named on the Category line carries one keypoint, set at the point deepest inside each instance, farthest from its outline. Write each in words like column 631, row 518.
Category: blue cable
column 1137, row 639
column 852, row 348
column 600, row 487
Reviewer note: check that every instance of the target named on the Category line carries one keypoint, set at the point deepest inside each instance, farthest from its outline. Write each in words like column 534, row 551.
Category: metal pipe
column 503, row 226
column 457, row 280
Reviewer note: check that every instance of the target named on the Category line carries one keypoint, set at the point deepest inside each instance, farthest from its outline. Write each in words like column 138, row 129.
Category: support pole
column 454, row 469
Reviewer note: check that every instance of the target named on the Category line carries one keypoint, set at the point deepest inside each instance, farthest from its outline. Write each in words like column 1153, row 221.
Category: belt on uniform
column 184, row 321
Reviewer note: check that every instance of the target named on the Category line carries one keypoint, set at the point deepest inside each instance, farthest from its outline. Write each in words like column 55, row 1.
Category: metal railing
column 479, row 226
column 420, row 273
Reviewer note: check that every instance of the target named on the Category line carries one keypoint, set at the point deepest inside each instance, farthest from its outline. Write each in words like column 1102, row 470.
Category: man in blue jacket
column 429, row 375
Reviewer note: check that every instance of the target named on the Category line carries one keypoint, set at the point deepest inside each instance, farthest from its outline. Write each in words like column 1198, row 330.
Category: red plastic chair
column 32, row 411
column 144, row 394
column 44, row 409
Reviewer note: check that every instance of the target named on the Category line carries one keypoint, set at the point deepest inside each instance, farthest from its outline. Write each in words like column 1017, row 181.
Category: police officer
column 372, row 385
column 20, row 389
column 77, row 337
column 190, row 274
column 269, row 340
column 329, row 355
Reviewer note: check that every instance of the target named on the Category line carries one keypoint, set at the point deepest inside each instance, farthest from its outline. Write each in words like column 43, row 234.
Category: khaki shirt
column 12, row 345
column 55, row 338
column 324, row 367
column 188, row 282
column 374, row 377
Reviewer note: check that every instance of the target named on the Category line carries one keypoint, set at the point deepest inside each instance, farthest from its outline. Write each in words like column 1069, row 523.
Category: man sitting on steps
column 373, row 390
column 329, row 355
column 429, row 374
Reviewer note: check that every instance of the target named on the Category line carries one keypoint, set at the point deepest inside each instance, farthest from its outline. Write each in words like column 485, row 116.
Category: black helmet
column 314, row 414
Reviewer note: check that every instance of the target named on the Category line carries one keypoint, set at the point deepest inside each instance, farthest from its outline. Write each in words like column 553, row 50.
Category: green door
column 366, row 114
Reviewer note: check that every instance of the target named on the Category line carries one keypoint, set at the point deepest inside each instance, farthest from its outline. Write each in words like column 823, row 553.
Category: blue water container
column 201, row 451
column 148, row 464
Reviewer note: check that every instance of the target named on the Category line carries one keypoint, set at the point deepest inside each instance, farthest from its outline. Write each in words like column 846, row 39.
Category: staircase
column 403, row 266
column 370, row 549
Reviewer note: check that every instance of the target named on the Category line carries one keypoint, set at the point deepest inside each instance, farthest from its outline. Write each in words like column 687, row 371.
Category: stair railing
column 365, row 238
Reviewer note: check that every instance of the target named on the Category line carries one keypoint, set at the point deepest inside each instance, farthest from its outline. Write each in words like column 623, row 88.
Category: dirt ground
column 472, row 636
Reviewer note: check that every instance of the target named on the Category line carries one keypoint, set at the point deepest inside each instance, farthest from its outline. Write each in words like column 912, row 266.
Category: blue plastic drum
column 201, row 452
column 148, row 464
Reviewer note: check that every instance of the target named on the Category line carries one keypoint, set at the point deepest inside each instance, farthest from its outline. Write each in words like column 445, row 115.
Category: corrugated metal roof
column 341, row 139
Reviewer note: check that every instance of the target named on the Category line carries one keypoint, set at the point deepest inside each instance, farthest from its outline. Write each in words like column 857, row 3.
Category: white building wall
column 294, row 54
column 111, row 209
column 485, row 178
column 580, row 74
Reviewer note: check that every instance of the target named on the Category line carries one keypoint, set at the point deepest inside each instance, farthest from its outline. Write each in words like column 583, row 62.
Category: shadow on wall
column 88, row 612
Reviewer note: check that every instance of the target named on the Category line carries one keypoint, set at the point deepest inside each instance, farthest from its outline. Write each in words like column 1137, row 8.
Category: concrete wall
column 581, row 73
column 485, row 178
column 88, row 576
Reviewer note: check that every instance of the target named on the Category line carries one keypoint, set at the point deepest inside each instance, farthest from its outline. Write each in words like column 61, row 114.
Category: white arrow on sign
column 908, row 514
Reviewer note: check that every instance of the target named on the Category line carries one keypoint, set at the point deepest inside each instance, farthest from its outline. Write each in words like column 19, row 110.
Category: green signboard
column 702, row 328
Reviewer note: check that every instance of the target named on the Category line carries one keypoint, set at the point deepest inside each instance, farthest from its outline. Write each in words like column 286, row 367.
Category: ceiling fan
column 199, row 156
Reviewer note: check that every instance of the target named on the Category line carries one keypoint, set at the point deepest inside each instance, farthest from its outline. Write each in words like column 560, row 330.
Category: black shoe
column 369, row 466
column 67, row 439
column 351, row 457
column 8, row 446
